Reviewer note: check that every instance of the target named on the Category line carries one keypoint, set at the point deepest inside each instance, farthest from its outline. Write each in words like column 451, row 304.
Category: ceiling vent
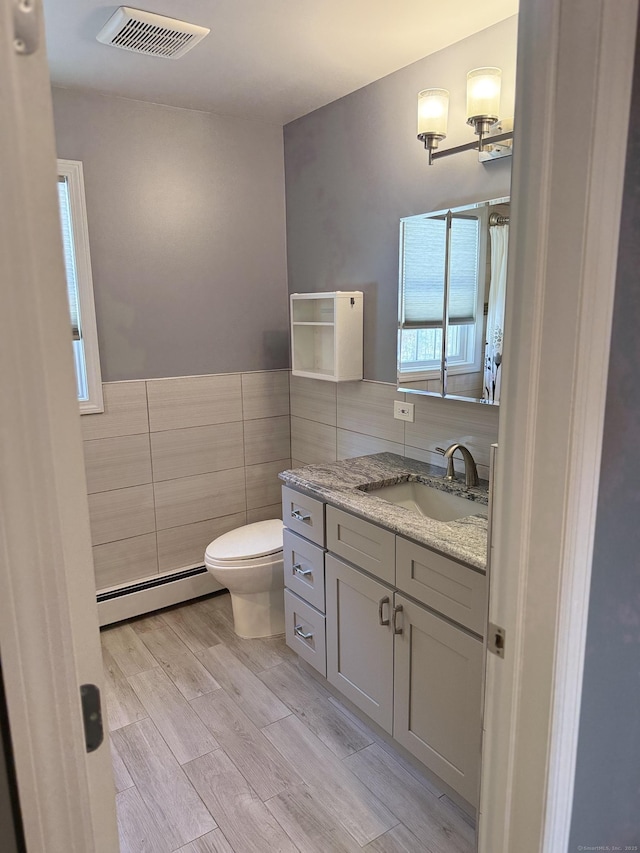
column 146, row 32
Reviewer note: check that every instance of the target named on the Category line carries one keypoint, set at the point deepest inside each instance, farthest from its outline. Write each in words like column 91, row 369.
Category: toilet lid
column 244, row 543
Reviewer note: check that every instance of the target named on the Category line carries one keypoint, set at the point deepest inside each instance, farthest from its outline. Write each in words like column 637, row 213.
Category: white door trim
column 575, row 66
column 48, row 619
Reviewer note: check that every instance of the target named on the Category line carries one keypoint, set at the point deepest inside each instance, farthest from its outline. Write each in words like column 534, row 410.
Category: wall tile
column 194, row 401
column 125, row 412
column 313, row 442
column 265, row 395
column 116, row 463
column 314, row 400
column 190, row 499
column 466, row 384
column 439, row 423
column 267, row 440
column 355, row 444
column 367, row 408
column 196, row 450
column 185, row 545
column 126, row 560
column 265, row 513
column 263, row 485
column 121, row 514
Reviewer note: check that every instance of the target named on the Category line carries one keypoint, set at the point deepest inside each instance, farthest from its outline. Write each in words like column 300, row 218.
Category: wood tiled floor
column 223, row 745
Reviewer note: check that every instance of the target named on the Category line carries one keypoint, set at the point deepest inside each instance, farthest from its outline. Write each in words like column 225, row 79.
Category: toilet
column 248, row 562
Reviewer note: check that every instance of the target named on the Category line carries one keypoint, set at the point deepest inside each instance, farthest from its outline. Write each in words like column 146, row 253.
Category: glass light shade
column 433, row 112
column 483, row 93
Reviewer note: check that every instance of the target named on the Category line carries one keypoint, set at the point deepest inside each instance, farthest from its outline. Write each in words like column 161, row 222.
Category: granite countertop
column 344, row 484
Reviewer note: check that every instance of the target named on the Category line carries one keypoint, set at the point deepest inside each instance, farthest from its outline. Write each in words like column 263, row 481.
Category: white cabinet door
column 437, row 708
column 360, row 640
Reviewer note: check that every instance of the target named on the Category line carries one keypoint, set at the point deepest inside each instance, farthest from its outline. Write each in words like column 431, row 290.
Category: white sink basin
column 430, row 502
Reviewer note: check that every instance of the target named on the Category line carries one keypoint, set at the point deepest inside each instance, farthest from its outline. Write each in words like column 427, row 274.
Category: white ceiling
column 273, row 60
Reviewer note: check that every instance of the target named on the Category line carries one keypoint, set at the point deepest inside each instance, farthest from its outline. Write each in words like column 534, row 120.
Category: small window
column 75, row 240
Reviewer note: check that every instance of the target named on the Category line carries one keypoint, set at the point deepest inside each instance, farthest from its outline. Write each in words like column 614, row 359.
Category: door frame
column 49, row 637
column 569, row 159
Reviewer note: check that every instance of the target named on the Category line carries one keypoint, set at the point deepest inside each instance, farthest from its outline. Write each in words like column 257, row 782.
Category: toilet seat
column 248, row 545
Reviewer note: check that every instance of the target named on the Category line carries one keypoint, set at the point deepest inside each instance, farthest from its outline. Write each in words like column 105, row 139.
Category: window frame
column 72, row 171
column 469, row 360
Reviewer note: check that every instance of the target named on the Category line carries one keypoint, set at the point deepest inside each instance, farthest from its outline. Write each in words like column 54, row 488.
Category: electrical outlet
column 403, row 411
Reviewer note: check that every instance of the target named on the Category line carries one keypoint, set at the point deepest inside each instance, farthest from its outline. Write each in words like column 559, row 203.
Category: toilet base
column 258, row 614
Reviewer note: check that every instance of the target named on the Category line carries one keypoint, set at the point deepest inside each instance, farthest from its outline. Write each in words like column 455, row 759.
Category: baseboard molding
column 138, row 599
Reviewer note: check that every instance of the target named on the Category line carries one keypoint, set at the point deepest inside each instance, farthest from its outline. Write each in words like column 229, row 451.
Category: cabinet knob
column 384, row 600
column 298, row 570
column 397, row 609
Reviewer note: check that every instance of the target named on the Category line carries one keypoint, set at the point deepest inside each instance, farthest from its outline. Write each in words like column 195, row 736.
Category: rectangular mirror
column 453, row 267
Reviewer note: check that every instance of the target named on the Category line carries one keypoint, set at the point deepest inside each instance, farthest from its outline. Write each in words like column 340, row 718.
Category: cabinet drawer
column 305, row 631
column 304, row 568
column 303, row 514
column 452, row 589
column 364, row 544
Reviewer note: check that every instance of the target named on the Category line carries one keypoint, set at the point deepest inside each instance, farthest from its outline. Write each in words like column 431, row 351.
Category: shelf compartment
column 314, row 349
column 313, row 310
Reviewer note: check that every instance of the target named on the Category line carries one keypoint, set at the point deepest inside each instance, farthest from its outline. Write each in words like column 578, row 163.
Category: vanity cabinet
column 395, row 627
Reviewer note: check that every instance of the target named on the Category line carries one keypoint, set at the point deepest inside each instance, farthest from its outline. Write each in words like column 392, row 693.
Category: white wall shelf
column 327, row 335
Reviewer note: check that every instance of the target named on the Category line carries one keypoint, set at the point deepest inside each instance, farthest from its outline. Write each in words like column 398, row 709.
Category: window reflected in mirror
column 451, row 301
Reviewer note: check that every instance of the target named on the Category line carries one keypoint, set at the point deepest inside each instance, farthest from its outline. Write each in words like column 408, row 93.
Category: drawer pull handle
column 298, row 570
column 304, row 635
column 381, row 604
column 397, row 609
column 295, row 513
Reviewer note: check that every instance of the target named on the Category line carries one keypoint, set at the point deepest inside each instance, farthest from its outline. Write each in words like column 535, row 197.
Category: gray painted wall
column 606, row 808
column 187, row 233
column 354, row 167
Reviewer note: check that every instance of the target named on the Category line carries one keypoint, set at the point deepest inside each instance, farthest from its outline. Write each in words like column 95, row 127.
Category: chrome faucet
column 470, row 470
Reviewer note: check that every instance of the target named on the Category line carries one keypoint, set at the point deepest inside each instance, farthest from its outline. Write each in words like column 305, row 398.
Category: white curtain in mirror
column 499, row 235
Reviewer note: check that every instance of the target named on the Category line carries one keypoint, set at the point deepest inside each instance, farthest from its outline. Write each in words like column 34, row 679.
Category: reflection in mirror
column 451, row 301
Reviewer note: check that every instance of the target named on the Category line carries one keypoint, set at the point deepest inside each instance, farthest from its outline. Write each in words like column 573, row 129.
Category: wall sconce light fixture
column 433, row 115
column 483, row 110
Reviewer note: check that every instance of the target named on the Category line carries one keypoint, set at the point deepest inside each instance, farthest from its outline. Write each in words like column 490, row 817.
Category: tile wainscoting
column 330, row 422
column 173, row 463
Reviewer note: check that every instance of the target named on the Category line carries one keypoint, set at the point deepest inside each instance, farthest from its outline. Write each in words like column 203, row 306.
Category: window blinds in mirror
column 425, row 254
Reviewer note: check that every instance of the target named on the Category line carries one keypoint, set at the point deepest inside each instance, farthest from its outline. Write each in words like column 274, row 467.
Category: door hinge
column 91, row 716
column 496, row 640
column 26, row 27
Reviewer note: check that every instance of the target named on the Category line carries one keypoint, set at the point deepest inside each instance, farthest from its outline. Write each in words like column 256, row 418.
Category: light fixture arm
column 476, row 145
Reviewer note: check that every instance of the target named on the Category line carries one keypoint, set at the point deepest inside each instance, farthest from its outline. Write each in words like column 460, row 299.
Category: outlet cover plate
column 403, row 411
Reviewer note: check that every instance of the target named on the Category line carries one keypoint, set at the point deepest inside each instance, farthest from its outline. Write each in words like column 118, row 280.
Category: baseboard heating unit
column 154, row 593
